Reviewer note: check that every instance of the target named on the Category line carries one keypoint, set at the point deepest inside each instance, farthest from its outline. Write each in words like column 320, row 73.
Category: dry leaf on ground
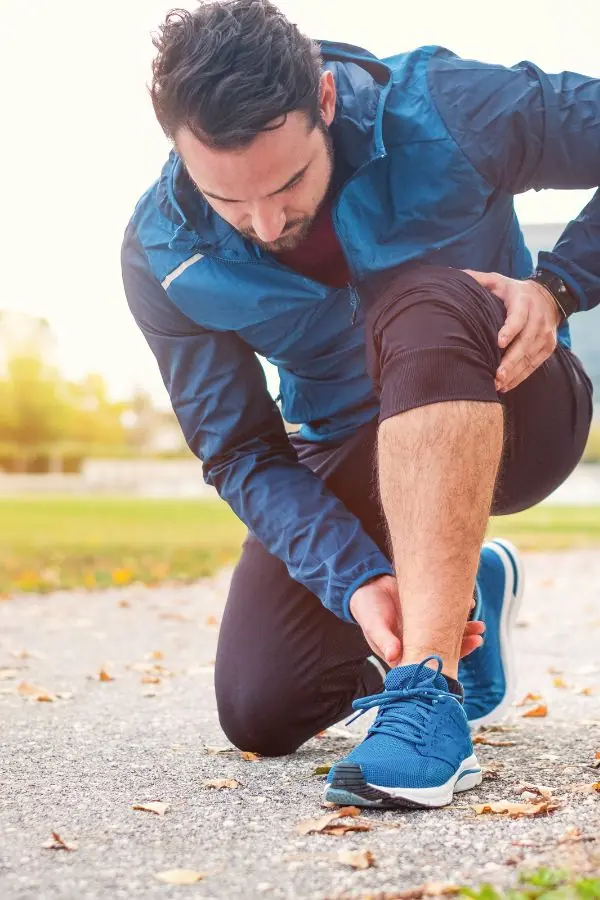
column 323, row 770
column 179, row 876
column 358, row 859
column 216, row 751
column 211, row 620
column 322, row 824
column 124, row 604
column 219, row 783
column 34, row 692
column 575, row 835
column 430, row 889
column 492, row 770
column 559, row 682
column 9, row 674
column 150, row 679
column 103, row 675
column 57, row 843
column 536, row 712
column 153, row 806
column 586, row 788
column 539, row 791
column 530, row 698
column 586, row 691
column 157, row 654
column 491, row 742
column 249, row 756
column 515, row 810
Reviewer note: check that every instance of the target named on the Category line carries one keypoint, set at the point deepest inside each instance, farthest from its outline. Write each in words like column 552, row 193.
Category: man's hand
column 376, row 608
column 529, row 331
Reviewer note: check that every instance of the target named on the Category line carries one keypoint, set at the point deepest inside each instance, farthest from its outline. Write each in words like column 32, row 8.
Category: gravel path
column 78, row 764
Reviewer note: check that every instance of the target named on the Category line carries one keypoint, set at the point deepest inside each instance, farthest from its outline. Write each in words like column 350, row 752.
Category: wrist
column 564, row 301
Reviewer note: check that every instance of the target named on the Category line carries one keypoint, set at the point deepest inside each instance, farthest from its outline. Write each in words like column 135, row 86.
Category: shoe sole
column 511, row 603
column 349, row 788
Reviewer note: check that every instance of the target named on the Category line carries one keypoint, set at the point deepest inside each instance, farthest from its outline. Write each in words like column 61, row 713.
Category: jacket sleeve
column 522, row 128
column 219, row 394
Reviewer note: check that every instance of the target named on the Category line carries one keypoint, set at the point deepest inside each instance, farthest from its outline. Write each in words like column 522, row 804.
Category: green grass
column 61, row 542
column 543, row 884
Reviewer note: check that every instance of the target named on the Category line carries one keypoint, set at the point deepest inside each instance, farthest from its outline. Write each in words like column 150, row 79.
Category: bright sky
column 80, row 143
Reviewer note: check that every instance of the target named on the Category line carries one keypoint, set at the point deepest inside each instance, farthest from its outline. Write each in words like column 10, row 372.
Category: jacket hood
column 362, row 83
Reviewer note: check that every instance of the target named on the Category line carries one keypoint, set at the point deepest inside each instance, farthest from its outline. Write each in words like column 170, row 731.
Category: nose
column 268, row 222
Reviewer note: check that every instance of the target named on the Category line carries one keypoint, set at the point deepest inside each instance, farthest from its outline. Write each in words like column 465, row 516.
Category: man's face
column 271, row 190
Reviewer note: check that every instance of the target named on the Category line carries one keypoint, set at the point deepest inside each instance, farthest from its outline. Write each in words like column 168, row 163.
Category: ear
column 327, row 97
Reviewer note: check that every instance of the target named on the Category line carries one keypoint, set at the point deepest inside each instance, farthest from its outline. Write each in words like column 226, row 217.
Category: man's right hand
column 376, row 608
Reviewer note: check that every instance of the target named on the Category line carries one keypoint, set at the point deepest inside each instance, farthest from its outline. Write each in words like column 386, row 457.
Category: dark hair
column 229, row 69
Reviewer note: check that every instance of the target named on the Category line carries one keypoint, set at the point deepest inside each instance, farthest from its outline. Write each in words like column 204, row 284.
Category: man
column 318, row 209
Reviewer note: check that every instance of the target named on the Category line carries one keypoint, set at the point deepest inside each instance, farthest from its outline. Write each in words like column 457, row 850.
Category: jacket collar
column 362, row 83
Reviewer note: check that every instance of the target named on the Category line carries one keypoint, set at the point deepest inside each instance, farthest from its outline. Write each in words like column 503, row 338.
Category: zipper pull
column 354, row 303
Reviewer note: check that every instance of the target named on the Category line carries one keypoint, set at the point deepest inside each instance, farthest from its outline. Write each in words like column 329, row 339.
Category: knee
column 431, row 320
column 258, row 718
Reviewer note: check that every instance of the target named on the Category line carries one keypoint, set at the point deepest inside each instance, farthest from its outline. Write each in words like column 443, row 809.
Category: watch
column 563, row 297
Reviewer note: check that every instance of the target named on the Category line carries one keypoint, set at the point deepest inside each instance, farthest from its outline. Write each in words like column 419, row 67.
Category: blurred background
column 96, row 484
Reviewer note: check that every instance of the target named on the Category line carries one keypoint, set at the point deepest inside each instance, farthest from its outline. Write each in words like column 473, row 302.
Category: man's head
column 241, row 93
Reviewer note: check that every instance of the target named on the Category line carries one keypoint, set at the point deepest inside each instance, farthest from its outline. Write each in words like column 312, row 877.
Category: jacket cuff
column 358, row 582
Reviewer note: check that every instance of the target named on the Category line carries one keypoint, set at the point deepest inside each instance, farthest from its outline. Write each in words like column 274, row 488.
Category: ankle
column 416, row 655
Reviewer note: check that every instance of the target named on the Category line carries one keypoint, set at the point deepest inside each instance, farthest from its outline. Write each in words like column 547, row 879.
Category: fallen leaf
column 179, row 876
column 57, row 843
column 216, row 751
column 586, row 788
column 318, row 826
column 341, row 830
column 490, row 742
column 536, row 712
column 492, row 770
column 559, row 682
column 8, row 674
column 575, row 835
column 219, row 783
column 586, row 691
column 153, row 806
column 430, row 889
column 249, row 756
column 539, row 791
column 157, row 654
column 103, row 675
column 323, row 770
column 530, row 698
column 358, row 859
column 516, row 810
column 33, row 692
column 124, row 604
column 211, row 620
column 150, row 679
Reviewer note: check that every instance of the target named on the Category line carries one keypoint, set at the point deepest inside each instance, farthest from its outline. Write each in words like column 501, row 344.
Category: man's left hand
column 529, row 331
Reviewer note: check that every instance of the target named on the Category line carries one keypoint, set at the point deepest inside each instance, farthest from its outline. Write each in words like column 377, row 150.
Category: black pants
column 286, row 667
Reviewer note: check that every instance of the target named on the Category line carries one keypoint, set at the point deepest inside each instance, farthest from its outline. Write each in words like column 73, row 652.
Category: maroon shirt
column 320, row 255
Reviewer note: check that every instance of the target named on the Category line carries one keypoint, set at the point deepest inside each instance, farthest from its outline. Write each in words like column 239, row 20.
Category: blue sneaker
column 417, row 752
column 488, row 674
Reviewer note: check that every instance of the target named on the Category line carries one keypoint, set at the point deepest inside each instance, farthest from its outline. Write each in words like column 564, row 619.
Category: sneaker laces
column 407, row 723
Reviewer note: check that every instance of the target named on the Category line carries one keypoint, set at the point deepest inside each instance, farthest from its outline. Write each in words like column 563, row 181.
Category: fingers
column 470, row 643
column 383, row 641
column 489, row 280
column 516, row 321
column 523, row 358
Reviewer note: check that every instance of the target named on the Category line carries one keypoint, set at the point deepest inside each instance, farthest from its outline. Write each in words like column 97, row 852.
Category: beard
column 296, row 231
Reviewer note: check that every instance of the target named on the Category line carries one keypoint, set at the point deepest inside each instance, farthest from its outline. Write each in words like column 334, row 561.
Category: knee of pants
column 433, row 332
column 258, row 718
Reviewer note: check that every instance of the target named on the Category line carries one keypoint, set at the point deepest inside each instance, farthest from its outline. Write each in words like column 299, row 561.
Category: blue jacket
column 438, row 147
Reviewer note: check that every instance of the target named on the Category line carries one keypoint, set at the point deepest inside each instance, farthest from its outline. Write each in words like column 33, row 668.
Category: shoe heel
column 468, row 781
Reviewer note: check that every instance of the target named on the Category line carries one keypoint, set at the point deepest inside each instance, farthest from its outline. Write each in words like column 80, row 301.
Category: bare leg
column 437, row 470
